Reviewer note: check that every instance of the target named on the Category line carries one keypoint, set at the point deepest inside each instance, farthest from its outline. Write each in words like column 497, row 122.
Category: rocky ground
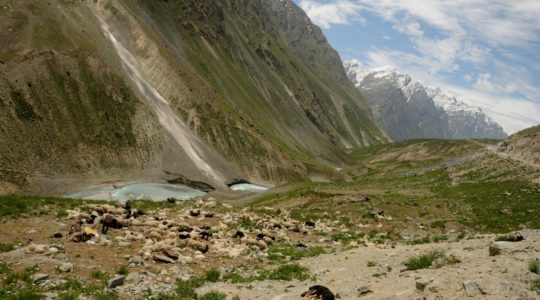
column 379, row 273
column 220, row 251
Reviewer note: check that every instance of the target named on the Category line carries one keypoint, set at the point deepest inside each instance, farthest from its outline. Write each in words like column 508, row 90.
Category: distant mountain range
column 406, row 109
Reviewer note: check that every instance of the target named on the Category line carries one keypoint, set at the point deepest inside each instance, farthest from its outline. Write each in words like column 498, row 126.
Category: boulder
column 37, row 278
column 163, row 258
column 65, row 267
column 471, row 288
column 500, row 247
column 135, row 261
column 116, row 281
column 364, row 290
column 422, row 283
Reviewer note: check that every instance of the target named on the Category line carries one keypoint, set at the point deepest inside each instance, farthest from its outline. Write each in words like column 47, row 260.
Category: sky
column 485, row 52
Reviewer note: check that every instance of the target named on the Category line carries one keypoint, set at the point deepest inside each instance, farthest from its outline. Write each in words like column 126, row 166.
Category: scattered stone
column 135, row 261
column 124, row 244
column 471, row 288
column 422, row 283
column 163, row 258
column 364, row 290
column 65, row 267
column 37, row 278
column 497, row 248
column 116, row 281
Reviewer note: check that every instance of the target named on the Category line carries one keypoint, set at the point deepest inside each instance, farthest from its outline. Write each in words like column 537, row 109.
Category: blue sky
column 486, row 52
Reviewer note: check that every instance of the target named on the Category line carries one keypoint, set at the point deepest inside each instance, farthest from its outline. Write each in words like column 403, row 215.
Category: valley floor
column 416, row 220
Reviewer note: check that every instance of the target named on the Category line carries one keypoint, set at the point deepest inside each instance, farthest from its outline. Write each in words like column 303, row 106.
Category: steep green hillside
column 255, row 81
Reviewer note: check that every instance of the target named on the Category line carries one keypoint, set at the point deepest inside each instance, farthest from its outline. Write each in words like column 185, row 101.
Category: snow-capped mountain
column 406, row 109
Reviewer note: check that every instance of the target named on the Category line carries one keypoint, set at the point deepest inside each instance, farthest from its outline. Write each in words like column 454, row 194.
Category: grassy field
column 440, row 185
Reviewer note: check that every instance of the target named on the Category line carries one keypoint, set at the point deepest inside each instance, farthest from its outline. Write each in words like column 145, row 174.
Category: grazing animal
column 310, row 224
column 184, row 235
column 318, row 292
column 183, row 228
column 91, row 219
column 206, row 234
column 109, row 221
column 515, row 237
column 128, row 210
column 239, row 234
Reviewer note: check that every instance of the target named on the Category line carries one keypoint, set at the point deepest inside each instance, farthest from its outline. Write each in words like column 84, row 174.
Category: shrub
column 371, row 264
column 534, row 266
column 423, row 261
column 186, row 289
column 213, row 296
column 5, row 247
column 213, row 275
column 122, row 270
column 535, row 285
column 279, row 252
column 289, row 272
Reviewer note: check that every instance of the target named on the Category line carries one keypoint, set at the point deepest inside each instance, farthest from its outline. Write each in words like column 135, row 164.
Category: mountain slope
column 211, row 90
column 524, row 146
column 406, row 109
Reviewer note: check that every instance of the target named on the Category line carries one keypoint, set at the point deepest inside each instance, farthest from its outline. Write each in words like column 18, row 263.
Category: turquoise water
column 139, row 191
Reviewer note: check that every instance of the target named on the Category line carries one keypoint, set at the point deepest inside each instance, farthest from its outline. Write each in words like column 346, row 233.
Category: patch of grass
column 285, row 272
column 438, row 224
column 534, row 266
column 5, row 247
column 289, row 272
column 26, row 293
column 501, row 238
column 24, row 276
column 99, row 275
column 248, row 224
column 61, row 213
column 439, row 238
column 535, row 285
column 4, row 268
column 371, row 264
column 280, row 252
column 213, row 295
column 122, row 270
column 105, row 296
column 423, row 240
column 186, row 289
column 69, row 295
column 423, row 261
column 346, row 237
column 212, row 275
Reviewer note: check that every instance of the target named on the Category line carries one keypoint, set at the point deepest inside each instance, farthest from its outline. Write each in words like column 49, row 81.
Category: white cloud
column 479, row 35
column 325, row 15
column 483, row 83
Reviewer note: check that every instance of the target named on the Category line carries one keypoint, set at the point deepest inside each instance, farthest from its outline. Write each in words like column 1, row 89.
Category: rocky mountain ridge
column 214, row 91
column 406, row 109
